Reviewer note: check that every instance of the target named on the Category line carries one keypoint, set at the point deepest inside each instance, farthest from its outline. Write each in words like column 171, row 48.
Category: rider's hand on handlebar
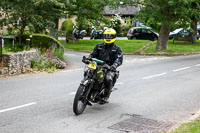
column 86, row 60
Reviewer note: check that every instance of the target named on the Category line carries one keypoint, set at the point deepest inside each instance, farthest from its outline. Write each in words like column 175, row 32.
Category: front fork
column 88, row 83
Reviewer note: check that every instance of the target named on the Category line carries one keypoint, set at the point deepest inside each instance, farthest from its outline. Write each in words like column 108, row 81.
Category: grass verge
column 127, row 46
column 191, row 127
column 180, row 47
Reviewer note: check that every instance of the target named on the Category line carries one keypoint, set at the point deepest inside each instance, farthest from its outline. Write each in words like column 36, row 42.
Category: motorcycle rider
column 93, row 31
column 112, row 55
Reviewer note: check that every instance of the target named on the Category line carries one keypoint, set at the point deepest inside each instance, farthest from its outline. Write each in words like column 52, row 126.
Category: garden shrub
column 116, row 23
column 10, row 48
column 67, row 26
column 43, row 41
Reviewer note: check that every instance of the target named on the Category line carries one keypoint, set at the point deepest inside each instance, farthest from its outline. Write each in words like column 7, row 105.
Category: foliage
column 165, row 15
column 116, row 23
column 41, row 16
column 170, row 15
column 48, row 61
column 128, row 23
column 18, row 47
column 38, row 15
column 44, row 41
column 87, row 11
column 59, row 52
column 67, row 26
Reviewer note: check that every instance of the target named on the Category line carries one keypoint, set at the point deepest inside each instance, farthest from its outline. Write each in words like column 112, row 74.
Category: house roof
column 127, row 10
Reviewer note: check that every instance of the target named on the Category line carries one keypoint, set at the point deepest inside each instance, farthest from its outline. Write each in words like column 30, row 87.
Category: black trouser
column 109, row 83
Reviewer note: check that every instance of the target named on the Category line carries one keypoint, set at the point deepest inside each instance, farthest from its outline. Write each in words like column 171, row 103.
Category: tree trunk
column 163, row 37
column 194, row 33
column 21, row 34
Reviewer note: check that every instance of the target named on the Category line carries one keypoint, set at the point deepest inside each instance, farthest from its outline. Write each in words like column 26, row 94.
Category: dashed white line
column 72, row 70
column 17, row 107
column 181, row 69
column 154, row 76
column 119, row 83
column 72, row 93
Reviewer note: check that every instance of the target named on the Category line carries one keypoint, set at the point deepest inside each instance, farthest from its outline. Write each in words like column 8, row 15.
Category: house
column 124, row 11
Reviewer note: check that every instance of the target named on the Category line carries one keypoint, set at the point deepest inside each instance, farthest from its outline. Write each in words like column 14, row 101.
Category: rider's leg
column 108, row 84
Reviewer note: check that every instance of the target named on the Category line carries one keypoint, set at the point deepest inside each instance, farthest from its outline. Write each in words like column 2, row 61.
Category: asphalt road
column 165, row 89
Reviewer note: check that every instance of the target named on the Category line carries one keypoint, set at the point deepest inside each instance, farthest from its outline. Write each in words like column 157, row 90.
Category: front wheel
column 155, row 38
column 80, row 101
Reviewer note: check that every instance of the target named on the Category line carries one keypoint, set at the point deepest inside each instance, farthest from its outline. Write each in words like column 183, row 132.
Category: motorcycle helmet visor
column 109, row 36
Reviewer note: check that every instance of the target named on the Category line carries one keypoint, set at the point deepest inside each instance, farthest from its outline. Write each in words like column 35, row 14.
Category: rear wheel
column 80, row 101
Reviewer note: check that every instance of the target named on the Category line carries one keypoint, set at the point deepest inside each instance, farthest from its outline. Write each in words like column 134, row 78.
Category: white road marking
column 181, row 69
column 197, row 65
column 154, row 76
column 144, row 59
column 72, row 70
column 119, row 83
column 71, row 54
column 73, row 93
column 17, row 107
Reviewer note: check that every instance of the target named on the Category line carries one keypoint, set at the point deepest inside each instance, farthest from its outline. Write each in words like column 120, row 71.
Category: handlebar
column 88, row 60
column 100, row 62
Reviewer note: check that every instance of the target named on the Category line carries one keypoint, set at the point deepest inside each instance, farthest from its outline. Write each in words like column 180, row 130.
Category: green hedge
column 44, row 41
column 67, row 26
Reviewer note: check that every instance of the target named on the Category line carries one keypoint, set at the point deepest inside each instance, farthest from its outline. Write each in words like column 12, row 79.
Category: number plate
column 92, row 65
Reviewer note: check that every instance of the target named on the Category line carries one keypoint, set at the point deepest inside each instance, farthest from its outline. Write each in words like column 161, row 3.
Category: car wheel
column 155, row 38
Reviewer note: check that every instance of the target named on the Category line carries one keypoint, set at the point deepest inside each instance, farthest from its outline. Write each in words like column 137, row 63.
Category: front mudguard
column 85, row 82
column 89, row 83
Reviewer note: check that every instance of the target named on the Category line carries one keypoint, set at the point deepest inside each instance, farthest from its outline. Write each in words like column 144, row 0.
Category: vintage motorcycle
column 92, row 87
column 78, row 34
column 97, row 34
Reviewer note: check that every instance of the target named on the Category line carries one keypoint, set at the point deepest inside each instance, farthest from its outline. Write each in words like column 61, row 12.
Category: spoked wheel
column 80, row 101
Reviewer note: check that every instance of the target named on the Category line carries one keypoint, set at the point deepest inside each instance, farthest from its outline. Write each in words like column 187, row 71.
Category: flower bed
column 48, row 61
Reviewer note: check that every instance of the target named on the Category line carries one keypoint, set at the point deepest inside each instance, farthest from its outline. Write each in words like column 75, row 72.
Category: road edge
column 190, row 119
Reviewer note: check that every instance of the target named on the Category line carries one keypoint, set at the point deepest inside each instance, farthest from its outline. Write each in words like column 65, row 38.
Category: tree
column 16, row 15
column 194, row 14
column 37, row 15
column 168, row 13
column 86, row 11
column 40, row 15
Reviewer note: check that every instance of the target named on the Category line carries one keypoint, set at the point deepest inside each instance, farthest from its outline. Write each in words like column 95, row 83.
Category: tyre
column 155, row 38
column 134, row 38
column 80, row 101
